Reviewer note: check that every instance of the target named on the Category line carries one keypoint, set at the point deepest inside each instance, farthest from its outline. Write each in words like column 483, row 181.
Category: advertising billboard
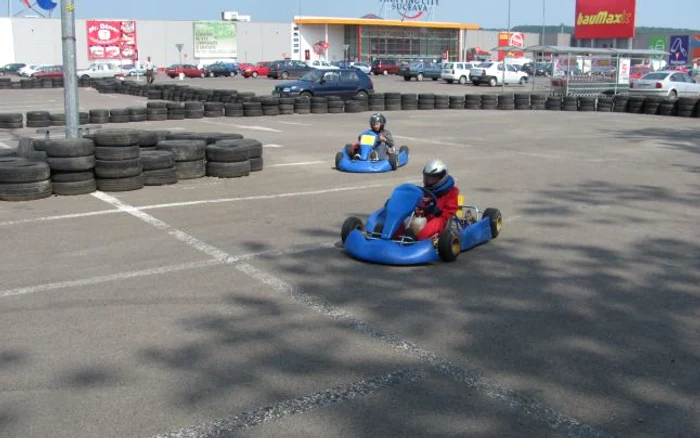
column 678, row 50
column 215, row 39
column 110, row 39
column 512, row 39
column 597, row 19
column 695, row 48
column 657, row 42
column 411, row 9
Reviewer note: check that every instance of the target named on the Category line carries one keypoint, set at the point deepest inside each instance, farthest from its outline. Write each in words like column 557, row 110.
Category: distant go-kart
column 362, row 164
column 377, row 240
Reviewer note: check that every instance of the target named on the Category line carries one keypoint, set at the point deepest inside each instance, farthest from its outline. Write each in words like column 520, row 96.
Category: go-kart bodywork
column 377, row 241
column 368, row 140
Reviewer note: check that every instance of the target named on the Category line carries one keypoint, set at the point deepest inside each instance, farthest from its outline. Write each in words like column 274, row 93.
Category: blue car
column 325, row 82
column 377, row 241
column 368, row 140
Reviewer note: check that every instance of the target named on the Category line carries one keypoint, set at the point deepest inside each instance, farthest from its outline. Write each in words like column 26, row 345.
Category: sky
column 682, row 14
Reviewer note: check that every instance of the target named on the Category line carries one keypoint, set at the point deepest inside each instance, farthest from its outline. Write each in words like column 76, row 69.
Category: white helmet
column 436, row 171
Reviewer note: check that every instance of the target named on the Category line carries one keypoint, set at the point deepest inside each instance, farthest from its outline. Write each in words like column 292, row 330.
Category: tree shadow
column 678, row 138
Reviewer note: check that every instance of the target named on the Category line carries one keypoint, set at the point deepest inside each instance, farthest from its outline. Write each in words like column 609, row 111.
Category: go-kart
column 362, row 164
column 378, row 241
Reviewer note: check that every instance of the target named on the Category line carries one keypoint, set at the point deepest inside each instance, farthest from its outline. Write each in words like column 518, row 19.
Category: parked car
column 220, row 69
column 637, row 71
column 492, row 73
column 421, row 70
column 320, row 63
column 362, row 66
column 30, row 69
column 457, row 71
column 189, row 70
column 100, row 71
column 288, row 69
column 666, row 83
column 48, row 72
column 326, row 82
column 253, row 71
column 385, row 67
column 11, row 69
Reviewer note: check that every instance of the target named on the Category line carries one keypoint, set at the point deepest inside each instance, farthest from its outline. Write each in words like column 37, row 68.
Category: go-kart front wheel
column 338, row 158
column 394, row 161
column 449, row 246
column 350, row 224
column 403, row 149
column 495, row 221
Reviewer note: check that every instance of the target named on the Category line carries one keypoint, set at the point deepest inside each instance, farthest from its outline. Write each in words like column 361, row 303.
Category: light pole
column 503, row 82
column 70, row 76
column 542, row 43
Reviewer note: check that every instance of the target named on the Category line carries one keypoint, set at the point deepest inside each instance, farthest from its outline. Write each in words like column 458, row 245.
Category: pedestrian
column 149, row 71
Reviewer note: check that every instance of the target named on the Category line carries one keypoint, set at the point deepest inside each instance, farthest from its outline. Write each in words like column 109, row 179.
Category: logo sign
column 215, row 39
column 678, row 50
column 623, row 72
column 596, row 19
column 513, row 39
column 111, row 40
column 411, row 9
column 657, row 42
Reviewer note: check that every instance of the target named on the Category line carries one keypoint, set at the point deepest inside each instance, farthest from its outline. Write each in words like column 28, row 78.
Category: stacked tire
column 522, row 101
column 409, row 102
column 118, row 165
column 26, row 148
column 586, row 103
column 392, row 101
column 686, row 106
column 119, row 116
column 489, row 101
column 11, row 121
column 72, row 162
column 353, row 106
column 213, row 109
column 252, row 109
column 271, row 106
column 456, row 102
column 302, row 105
column 652, row 104
column 426, row 101
column 553, row 103
column 194, row 109
column 319, row 105
column 233, row 109
column 176, row 110
column 38, row 119
column 570, row 103
column 472, row 101
column 189, row 155
column 148, row 140
column 442, row 102
column 363, row 100
column 138, row 114
column 231, row 158
column 668, row 107
column 605, row 104
column 335, row 105
column 98, row 116
column 24, row 180
column 156, row 111
column 376, row 102
column 158, row 168
column 537, row 102
column 621, row 102
column 506, row 102
column 286, row 105
column 5, row 83
column 635, row 104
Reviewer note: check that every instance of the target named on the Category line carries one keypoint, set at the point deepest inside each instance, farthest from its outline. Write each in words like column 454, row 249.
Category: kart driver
column 435, row 216
column 386, row 140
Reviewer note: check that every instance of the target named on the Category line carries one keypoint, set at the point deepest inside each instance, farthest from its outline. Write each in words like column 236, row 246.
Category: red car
column 53, row 71
column 259, row 69
column 637, row 71
column 190, row 71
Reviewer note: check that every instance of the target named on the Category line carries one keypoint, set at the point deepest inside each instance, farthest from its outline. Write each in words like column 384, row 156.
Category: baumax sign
column 598, row 19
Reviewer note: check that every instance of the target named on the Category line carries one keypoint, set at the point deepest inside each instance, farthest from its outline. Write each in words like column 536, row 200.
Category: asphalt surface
column 227, row 307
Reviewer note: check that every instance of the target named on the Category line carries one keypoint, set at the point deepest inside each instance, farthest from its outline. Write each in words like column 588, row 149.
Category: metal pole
column 503, row 82
column 543, row 21
column 70, row 76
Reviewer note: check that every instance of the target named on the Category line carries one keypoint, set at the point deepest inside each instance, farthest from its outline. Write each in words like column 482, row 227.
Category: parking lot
column 220, row 307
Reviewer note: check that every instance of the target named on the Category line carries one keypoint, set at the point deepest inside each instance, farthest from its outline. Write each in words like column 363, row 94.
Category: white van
column 320, row 63
column 457, row 71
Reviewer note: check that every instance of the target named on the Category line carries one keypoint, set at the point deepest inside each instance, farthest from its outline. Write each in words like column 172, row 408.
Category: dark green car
column 11, row 69
column 421, row 70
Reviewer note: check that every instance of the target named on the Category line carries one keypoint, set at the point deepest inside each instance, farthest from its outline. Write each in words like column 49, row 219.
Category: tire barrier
column 115, row 160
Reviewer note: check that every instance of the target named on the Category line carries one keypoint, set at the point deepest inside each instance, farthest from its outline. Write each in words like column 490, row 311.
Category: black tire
column 449, row 246
column 116, row 137
column 254, row 147
column 338, row 158
column 228, row 169
column 184, row 150
column 350, row 224
column 73, row 188
column 21, row 170
column 118, row 169
column 160, row 177
column 107, row 153
column 394, row 161
column 225, row 152
column 155, row 160
column 148, row 138
column 69, row 147
column 62, row 177
column 30, row 191
column 121, row 184
column 256, row 164
column 190, row 169
column 75, row 164
column 495, row 221
column 404, row 148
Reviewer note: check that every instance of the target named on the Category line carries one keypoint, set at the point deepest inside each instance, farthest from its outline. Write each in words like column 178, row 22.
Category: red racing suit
column 448, row 204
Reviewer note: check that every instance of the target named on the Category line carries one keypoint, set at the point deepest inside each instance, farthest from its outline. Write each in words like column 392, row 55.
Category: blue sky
column 676, row 13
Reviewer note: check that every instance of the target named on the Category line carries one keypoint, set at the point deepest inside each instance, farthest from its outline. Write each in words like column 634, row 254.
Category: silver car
column 666, row 83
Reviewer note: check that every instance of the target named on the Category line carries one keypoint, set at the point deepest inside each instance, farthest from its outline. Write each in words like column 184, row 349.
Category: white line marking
column 253, row 127
column 301, row 163
column 432, row 141
column 294, row 123
column 273, row 146
column 59, row 217
column 5, row 146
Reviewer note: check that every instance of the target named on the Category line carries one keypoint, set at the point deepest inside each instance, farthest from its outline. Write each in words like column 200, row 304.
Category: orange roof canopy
column 374, row 22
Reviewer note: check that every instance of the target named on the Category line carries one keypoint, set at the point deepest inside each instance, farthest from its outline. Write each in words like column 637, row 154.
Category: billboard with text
column 111, row 39
column 215, row 39
column 598, row 19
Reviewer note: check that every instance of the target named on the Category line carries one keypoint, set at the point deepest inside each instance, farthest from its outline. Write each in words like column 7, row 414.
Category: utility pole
column 70, row 76
column 503, row 83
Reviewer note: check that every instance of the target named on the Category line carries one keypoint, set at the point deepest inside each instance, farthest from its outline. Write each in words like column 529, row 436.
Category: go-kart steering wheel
column 432, row 203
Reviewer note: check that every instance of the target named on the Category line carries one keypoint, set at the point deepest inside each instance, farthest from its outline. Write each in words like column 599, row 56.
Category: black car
column 11, row 69
column 288, row 69
column 216, row 70
column 346, row 82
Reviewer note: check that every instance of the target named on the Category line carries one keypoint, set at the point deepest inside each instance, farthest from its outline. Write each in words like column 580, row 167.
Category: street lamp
column 503, row 82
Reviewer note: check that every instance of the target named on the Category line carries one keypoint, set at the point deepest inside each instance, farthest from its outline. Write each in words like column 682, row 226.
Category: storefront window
column 402, row 43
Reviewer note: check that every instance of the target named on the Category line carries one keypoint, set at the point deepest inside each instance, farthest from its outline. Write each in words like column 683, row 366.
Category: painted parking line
column 301, row 163
column 434, row 141
column 273, row 146
column 251, row 127
column 5, row 146
column 294, row 123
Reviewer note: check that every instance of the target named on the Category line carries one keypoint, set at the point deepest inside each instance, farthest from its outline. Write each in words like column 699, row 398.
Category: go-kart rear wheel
column 403, row 149
column 394, row 161
column 338, row 158
column 350, row 224
column 449, row 246
column 495, row 221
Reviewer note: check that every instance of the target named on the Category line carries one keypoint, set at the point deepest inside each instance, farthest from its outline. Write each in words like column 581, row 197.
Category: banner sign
column 109, row 39
column 623, row 71
column 411, row 9
column 215, row 39
column 678, row 50
column 514, row 39
column 695, row 48
column 596, row 19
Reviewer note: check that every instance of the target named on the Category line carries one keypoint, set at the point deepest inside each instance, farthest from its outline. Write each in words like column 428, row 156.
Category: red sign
column 597, row 19
column 514, row 39
column 111, row 40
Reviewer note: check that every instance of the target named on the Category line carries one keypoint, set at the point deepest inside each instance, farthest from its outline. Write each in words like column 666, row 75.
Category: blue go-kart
column 362, row 164
column 377, row 241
